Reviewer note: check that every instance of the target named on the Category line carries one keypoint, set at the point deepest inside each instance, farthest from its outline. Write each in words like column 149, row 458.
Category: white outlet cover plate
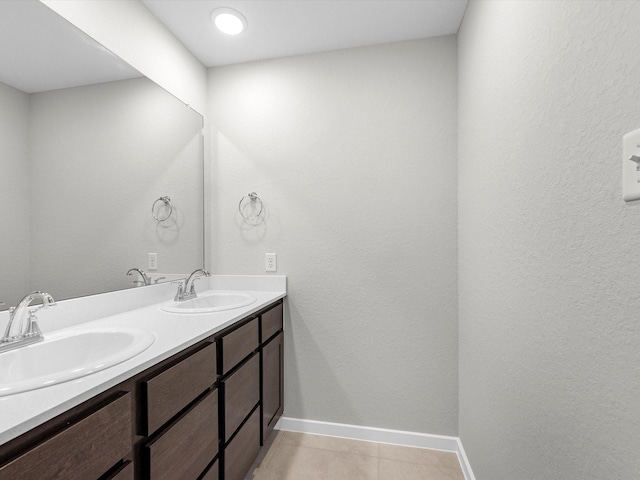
column 152, row 261
column 270, row 262
column 630, row 174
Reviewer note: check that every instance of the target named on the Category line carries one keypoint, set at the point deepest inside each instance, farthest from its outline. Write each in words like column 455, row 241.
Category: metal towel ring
column 253, row 196
column 167, row 202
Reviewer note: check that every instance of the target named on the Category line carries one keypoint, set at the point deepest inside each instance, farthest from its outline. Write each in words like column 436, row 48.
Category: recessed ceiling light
column 229, row 21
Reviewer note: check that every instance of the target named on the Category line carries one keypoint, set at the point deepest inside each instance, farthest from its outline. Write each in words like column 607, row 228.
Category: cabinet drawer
column 238, row 344
column 243, row 449
column 213, row 473
column 185, row 450
column 125, row 473
column 271, row 322
column 241, row 394
column 85, row 450
column 172, row 390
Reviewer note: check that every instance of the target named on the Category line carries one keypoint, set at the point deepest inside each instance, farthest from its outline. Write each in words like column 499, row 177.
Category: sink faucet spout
column 189, row 290
column 20, row 330
column 145, row 278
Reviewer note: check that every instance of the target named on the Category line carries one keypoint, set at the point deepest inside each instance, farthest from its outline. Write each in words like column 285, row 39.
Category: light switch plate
column 630, row 172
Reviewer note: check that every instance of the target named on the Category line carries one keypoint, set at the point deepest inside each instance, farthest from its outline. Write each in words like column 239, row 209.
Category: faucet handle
column 33, row 330
column 180, row 291
column 47, row 301
column 193, row 281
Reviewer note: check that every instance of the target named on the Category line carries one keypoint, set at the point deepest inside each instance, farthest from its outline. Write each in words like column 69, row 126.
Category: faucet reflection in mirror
column 145, row 279
column 21, row 331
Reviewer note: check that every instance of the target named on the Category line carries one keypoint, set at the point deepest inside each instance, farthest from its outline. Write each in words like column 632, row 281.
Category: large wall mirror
column 88, row 146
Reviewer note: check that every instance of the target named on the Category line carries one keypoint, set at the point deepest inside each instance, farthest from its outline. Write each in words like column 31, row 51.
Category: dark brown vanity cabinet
column 252, row 386
column 186, row 448
column 179, row 415
column 240, row 391
column 87, row 446
column 201, row 414
column 166, row 393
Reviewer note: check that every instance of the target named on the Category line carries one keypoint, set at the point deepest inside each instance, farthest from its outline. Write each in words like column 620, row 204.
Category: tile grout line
column 328, row 449
column 377, row 444
column 377, row 455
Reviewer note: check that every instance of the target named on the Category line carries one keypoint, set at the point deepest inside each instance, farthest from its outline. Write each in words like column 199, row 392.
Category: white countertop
column 174, row 332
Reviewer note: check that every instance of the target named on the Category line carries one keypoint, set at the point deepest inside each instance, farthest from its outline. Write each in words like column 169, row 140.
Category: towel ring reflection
column 253, row 197
column 167, row 203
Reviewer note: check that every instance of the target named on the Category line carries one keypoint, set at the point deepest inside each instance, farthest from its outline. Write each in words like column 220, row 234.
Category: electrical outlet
column 270, row 263
column 152, row 261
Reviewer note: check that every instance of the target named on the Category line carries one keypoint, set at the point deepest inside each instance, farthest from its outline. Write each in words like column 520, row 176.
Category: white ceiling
column 39, row 50
column 280, row 28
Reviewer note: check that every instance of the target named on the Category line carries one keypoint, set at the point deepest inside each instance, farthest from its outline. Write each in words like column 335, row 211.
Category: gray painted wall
column 353, row 153
column 549, row 254
column 14, row 192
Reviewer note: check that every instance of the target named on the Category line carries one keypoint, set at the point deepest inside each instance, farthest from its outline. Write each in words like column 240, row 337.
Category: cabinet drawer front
column 238, row 344
column 125, row 473
column 271, row 322
column 243, row 449
column 185, row 450
column 86, row 450
column 172, row 390
column 213, row 473
column 242, row 393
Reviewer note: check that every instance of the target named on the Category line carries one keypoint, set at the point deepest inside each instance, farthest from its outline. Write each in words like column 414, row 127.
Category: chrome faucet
column 21, row 331
column 145, row 278
column 188, row 291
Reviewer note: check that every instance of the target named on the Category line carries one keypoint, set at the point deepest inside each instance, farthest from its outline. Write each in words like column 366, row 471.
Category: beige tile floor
column 299, row 456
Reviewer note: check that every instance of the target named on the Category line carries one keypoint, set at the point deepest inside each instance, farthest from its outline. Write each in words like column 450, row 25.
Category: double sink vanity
column 132, row 385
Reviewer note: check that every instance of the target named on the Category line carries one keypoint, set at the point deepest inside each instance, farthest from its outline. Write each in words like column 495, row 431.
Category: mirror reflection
column 85, row 161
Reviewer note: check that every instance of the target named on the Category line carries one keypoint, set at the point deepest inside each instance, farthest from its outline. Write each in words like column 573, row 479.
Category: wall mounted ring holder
column 253, row 201
column 162, row 216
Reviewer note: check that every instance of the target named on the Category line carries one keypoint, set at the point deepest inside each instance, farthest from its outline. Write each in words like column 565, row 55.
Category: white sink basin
column 211, row 302
column 67, row 355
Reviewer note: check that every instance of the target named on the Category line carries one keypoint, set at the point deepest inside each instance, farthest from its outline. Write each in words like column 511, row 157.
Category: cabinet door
column 272, row 384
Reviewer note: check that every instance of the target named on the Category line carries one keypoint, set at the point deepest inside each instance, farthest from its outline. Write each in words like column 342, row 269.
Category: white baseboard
column 464, row 462
column 380, row 435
